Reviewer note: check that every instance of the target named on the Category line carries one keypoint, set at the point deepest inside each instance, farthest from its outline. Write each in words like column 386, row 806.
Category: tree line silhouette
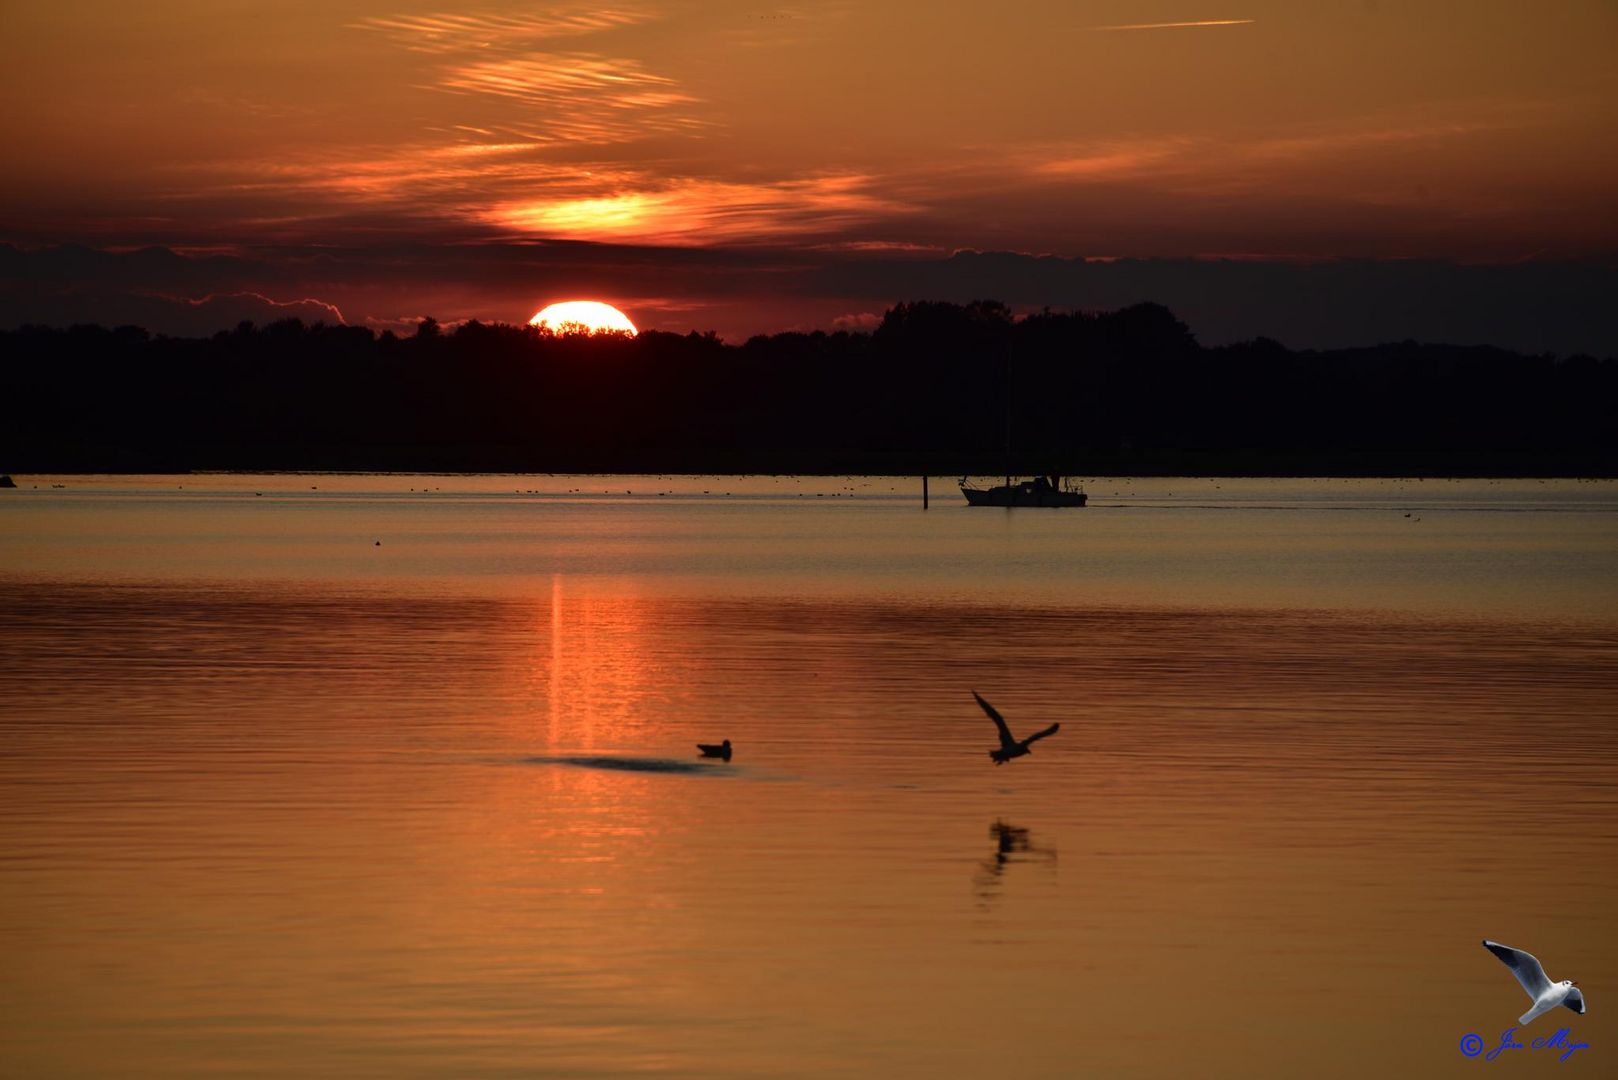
column 935, row 387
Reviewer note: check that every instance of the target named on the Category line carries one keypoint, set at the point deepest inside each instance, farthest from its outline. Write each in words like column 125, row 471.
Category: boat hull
column 1021, row 495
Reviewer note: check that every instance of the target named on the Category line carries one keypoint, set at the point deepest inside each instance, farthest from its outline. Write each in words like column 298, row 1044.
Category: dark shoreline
column 1483, row 464
column 936, row 389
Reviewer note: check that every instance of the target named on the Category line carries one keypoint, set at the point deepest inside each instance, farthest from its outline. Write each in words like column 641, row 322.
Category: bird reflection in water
column 1011, row 845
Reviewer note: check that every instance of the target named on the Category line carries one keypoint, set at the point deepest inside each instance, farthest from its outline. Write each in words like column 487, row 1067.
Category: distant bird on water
column 1009, row 747
column 720, row 751
column 1545, row 994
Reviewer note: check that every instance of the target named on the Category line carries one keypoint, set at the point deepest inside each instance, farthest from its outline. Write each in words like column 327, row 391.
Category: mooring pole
column 924, row 493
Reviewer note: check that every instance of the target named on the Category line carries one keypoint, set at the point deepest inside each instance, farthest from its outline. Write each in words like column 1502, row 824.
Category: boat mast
column 1009, row 342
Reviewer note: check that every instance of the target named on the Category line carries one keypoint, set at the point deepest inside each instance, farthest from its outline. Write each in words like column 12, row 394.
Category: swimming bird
column 1545, row 994
column 720, row 751
column 1009, row 747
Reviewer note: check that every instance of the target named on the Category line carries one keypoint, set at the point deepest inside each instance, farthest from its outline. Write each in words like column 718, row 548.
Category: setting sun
column 588, row 316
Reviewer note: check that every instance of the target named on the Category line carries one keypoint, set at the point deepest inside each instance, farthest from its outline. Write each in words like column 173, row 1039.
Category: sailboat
column 1040, row 491
column 1050, row 490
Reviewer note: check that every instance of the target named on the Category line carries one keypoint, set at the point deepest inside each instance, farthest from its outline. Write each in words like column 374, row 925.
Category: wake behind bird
column 635, row 764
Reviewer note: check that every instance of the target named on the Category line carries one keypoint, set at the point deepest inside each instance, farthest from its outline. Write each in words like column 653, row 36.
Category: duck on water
column 718, row 750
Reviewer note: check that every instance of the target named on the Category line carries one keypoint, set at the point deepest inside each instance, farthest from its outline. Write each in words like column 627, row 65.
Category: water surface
column 280, row 800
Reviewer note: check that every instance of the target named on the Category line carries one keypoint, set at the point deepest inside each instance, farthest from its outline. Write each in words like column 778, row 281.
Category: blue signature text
column 1472, row 1045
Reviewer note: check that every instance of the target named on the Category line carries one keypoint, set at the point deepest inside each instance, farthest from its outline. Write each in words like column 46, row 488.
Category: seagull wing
column 1041, row 734
column 1575, row 1000
column 1006, row 741
column 1524, row 966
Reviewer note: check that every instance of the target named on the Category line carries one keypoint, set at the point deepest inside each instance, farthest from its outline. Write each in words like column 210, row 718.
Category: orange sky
column 1139, row 128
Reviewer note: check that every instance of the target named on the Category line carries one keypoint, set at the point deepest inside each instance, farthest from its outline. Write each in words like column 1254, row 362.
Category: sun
column 584, row 316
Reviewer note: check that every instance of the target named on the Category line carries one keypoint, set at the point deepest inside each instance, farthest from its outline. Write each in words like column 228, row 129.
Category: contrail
column 1175, row 25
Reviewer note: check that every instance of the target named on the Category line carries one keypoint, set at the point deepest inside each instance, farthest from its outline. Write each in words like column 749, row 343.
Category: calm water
column 278, row 800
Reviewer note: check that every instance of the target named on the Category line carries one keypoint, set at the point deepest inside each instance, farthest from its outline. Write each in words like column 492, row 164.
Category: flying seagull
column 1546, row 994
column 722, row 750
column 1009, row 747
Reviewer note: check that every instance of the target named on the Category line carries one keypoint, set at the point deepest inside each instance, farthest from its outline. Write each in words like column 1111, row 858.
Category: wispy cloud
column 1108, row 160
column 586, row 97
column 1205, row 163
column 450, row 181
column 305, row 308
column 446, row 33
column 543, row 96
column 1173, row 25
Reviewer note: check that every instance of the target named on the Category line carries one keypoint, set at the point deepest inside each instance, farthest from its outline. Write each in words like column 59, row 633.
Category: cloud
column 1186, row 162
column 176, row 316
column 696, row 211
column 560, row 78
column 859, row 126
column 586, row 97
column 445, row 32
column 862, row 322
column 401, row 325
column 1110, row 160
column 563, row 122
column 484, row 192
column 256, row 305
column 1312, row 189
column 880, row 245
column 544, row 96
